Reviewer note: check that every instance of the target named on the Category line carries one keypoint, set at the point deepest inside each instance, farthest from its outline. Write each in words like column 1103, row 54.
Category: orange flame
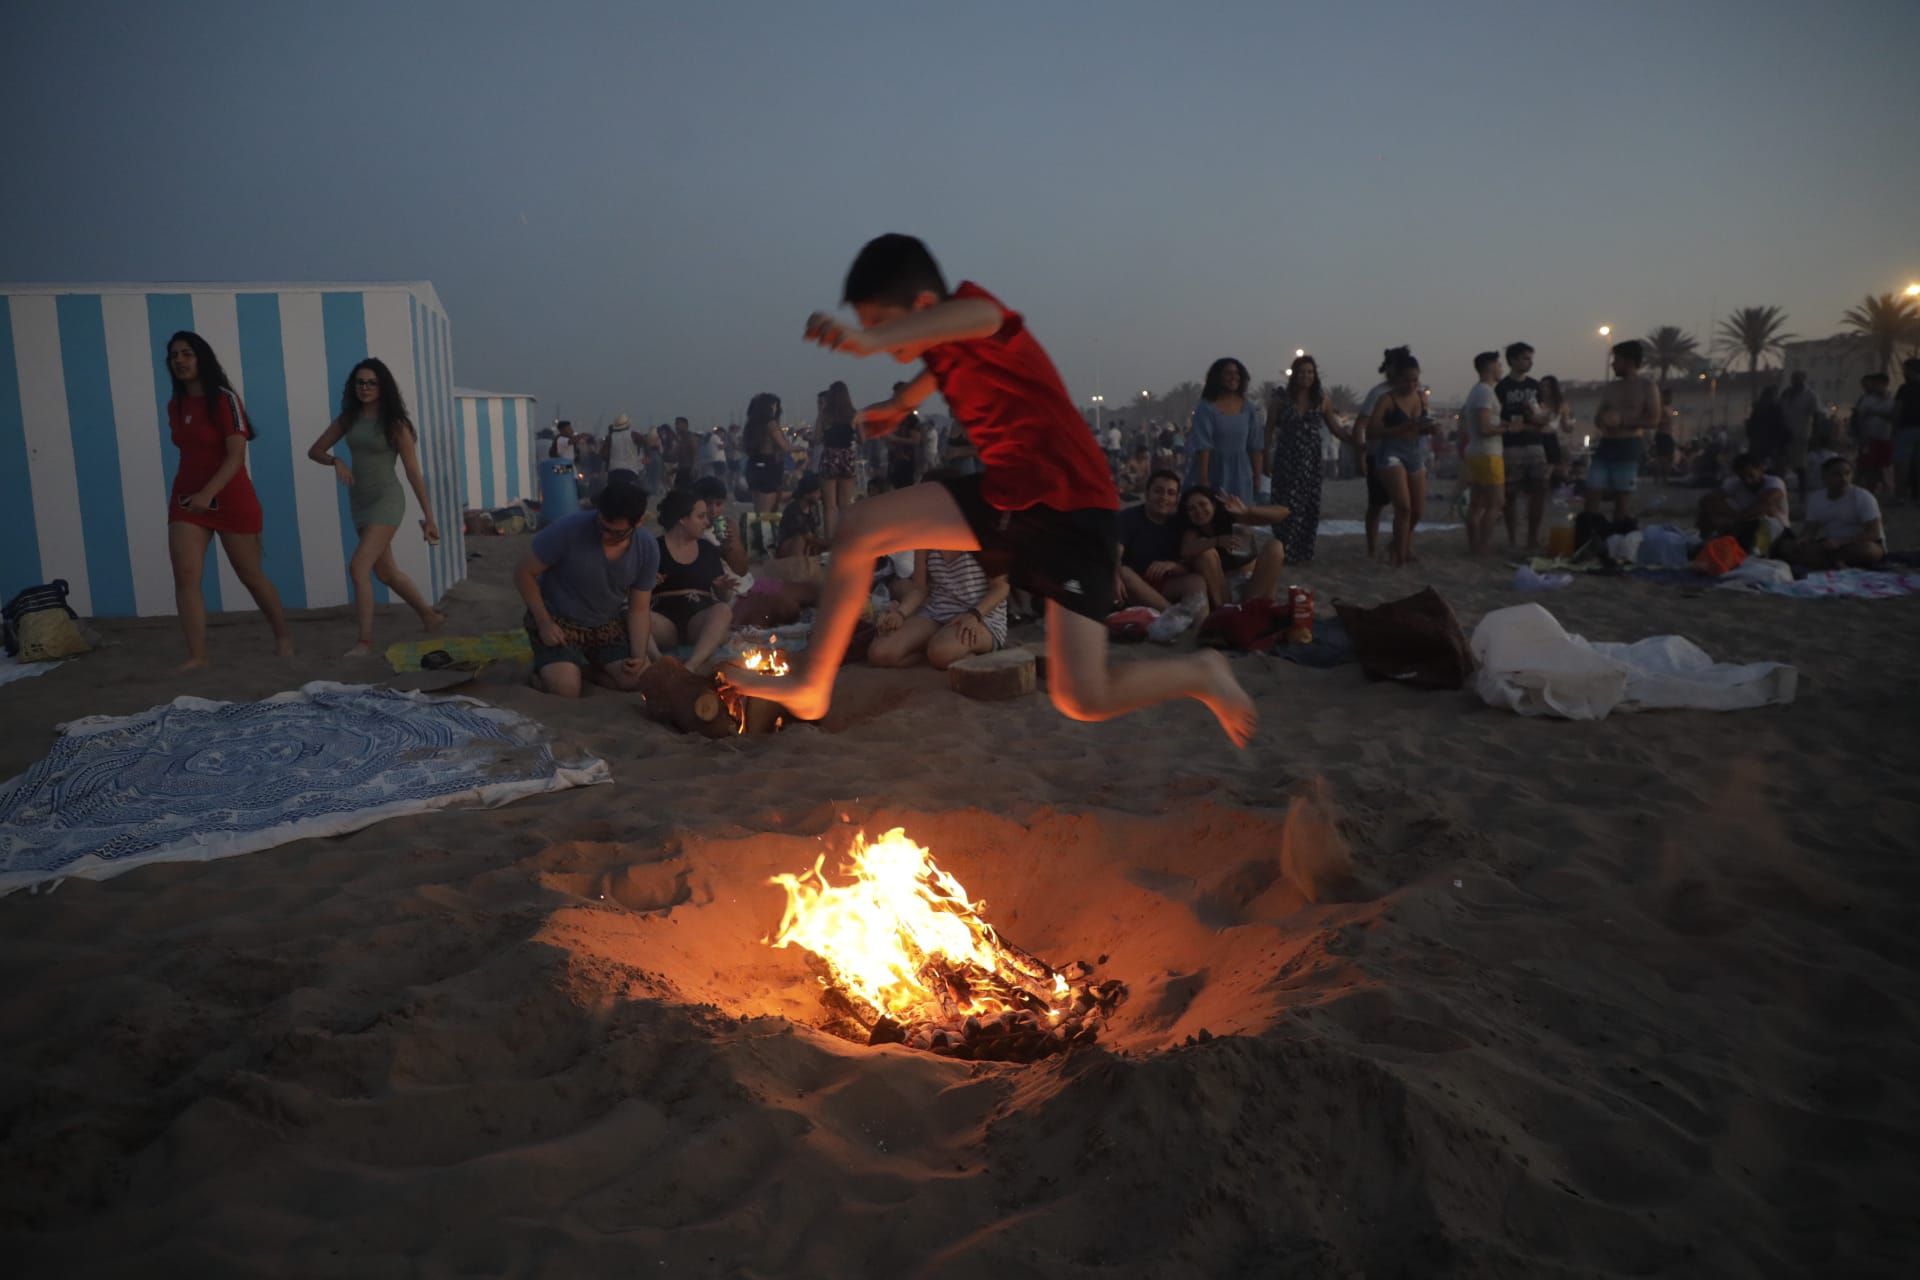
column 771, row 661
column 897, row 925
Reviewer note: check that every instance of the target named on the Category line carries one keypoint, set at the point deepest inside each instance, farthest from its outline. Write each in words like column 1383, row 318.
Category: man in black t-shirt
column 1151, row 572
column 1525, row 449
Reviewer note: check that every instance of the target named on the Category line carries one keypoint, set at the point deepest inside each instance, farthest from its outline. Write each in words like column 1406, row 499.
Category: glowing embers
column 771, row 661
column 908, row 956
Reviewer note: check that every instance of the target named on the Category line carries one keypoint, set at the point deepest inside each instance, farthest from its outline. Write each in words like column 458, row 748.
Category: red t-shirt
column 200, row 433
column 1035, row 449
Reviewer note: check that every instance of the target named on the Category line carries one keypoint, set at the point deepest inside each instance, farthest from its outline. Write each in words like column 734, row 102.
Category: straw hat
column 620, row 423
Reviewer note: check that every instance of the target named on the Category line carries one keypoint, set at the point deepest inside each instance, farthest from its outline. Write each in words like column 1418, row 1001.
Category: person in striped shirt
column 950, row 609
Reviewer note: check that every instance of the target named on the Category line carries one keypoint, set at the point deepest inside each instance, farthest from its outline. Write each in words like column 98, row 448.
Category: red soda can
column 1299, row 615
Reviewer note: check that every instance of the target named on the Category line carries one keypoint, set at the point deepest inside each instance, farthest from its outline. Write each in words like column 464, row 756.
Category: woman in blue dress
column 1224, row 446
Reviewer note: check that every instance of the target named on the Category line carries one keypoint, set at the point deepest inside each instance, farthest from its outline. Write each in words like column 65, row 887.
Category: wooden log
column 762, row 715
column 994, row 677
column 674, row 695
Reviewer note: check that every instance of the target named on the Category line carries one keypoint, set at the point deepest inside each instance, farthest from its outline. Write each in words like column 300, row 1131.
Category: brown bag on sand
column 1414, row 641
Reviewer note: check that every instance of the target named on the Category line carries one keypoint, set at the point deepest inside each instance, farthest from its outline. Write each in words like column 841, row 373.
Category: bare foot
column 793, row 692
column 361, row 650
column 191, row 664
column 433, row 621
column 1226, row 699
column 283, row 647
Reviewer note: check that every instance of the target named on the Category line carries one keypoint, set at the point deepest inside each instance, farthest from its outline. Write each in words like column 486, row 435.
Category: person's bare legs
column 1373, row 531
column 187, row 549
column 1416, row 508
column 1394, row 481
column 1512, row 514
column 562, row 679
column 388, row 570
column 373, row 544
column 1084, row 686
column 1135, row 589
column 710, row 629
column 1268, row 568
column 243, row 553
column 947, row 648
column 902, row 646
column 1536, row 511
column 924, row 517
column 1207, row 566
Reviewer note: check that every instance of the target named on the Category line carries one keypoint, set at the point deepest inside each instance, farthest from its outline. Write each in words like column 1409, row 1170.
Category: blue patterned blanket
column 196, row 780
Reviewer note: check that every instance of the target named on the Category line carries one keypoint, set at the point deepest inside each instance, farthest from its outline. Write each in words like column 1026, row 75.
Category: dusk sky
column 634, row 206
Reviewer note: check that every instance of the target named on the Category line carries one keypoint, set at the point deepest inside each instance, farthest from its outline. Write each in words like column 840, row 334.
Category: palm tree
column 1341, row 398
column 1883, row 325
column 1757, row 332
column 1179, row 403
column 1670, row 348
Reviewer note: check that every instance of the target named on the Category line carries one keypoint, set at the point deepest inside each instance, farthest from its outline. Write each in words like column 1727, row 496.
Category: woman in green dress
column 374, row 423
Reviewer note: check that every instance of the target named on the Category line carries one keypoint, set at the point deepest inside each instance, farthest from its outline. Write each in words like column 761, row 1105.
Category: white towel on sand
column 1529, row 664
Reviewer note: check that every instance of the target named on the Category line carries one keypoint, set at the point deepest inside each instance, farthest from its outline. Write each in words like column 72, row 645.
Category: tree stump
column 674, row 695
column 994, row 677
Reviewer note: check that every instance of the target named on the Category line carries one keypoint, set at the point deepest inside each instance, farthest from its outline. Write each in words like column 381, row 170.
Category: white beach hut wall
column 497, row 455
column 86, row 461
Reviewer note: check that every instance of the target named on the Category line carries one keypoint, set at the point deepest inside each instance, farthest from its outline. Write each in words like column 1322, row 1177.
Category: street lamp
column 1913, row 290
column 1298, row 352
column 1099, row 411
column 1606, row 361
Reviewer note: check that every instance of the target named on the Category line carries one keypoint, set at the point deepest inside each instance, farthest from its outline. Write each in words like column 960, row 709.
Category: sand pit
column 1195, row 912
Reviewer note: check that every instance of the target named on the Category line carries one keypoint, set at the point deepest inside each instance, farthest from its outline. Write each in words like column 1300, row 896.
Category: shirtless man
column 1629, row 409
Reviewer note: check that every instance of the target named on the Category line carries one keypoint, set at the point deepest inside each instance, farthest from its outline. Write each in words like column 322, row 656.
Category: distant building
column 1834, row 366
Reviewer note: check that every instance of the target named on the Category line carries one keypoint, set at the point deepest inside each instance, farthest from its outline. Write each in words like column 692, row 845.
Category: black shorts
column 681, row 611
column 764, row 475
column 1068, row 557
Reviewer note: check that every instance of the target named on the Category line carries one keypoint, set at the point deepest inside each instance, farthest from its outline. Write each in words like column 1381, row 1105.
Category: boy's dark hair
column 1632, row 350
column 1872, row 378
column 622, row 500
column 1742, row 461
column 1837, row 460
column 710, row 489
column 893, row 269
column 1163, row 474
column 1518, row 349
column 1485, row 358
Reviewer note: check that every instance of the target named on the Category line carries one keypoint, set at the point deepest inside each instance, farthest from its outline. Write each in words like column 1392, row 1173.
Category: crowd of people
column 1228, row 501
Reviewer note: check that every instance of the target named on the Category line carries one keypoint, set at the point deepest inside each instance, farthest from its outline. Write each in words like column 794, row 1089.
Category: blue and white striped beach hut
column 86, row 462
column 497, row 447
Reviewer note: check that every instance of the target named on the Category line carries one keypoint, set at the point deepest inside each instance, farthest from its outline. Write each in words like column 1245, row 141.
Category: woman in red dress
column 212, row 493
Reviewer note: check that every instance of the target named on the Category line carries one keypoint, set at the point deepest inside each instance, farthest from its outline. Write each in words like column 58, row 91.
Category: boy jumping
column 1043, row 510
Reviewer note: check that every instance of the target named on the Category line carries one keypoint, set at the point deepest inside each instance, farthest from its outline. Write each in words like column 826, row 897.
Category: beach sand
column 1480, row 995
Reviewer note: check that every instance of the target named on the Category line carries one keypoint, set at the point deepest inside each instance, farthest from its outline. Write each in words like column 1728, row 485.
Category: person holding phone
column 374, row 423
column 212, row 494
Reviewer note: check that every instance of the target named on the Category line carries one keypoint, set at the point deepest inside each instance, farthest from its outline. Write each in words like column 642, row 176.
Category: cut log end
column 994, row 677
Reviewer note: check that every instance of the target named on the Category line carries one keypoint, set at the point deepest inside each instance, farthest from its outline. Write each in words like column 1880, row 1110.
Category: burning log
column 994, row 677
column 903, row 950
column 674, row 695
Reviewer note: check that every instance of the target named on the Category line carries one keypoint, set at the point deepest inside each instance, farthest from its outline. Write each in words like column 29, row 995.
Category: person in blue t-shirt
column 588, row 584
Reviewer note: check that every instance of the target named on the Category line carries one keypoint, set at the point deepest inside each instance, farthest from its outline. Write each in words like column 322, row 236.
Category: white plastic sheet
column 1529, row 664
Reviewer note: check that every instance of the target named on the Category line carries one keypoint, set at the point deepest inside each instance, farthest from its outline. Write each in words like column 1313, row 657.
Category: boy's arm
column 878, row 419
column 955, row 320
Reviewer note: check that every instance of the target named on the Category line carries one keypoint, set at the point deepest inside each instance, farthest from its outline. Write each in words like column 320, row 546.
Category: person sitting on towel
column 1151, row 572
column 1216, row 543
column 588, row 584
column 1842, row 528
column 1747, row 498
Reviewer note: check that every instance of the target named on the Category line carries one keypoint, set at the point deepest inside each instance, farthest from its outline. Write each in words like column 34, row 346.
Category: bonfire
column 904, row 953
